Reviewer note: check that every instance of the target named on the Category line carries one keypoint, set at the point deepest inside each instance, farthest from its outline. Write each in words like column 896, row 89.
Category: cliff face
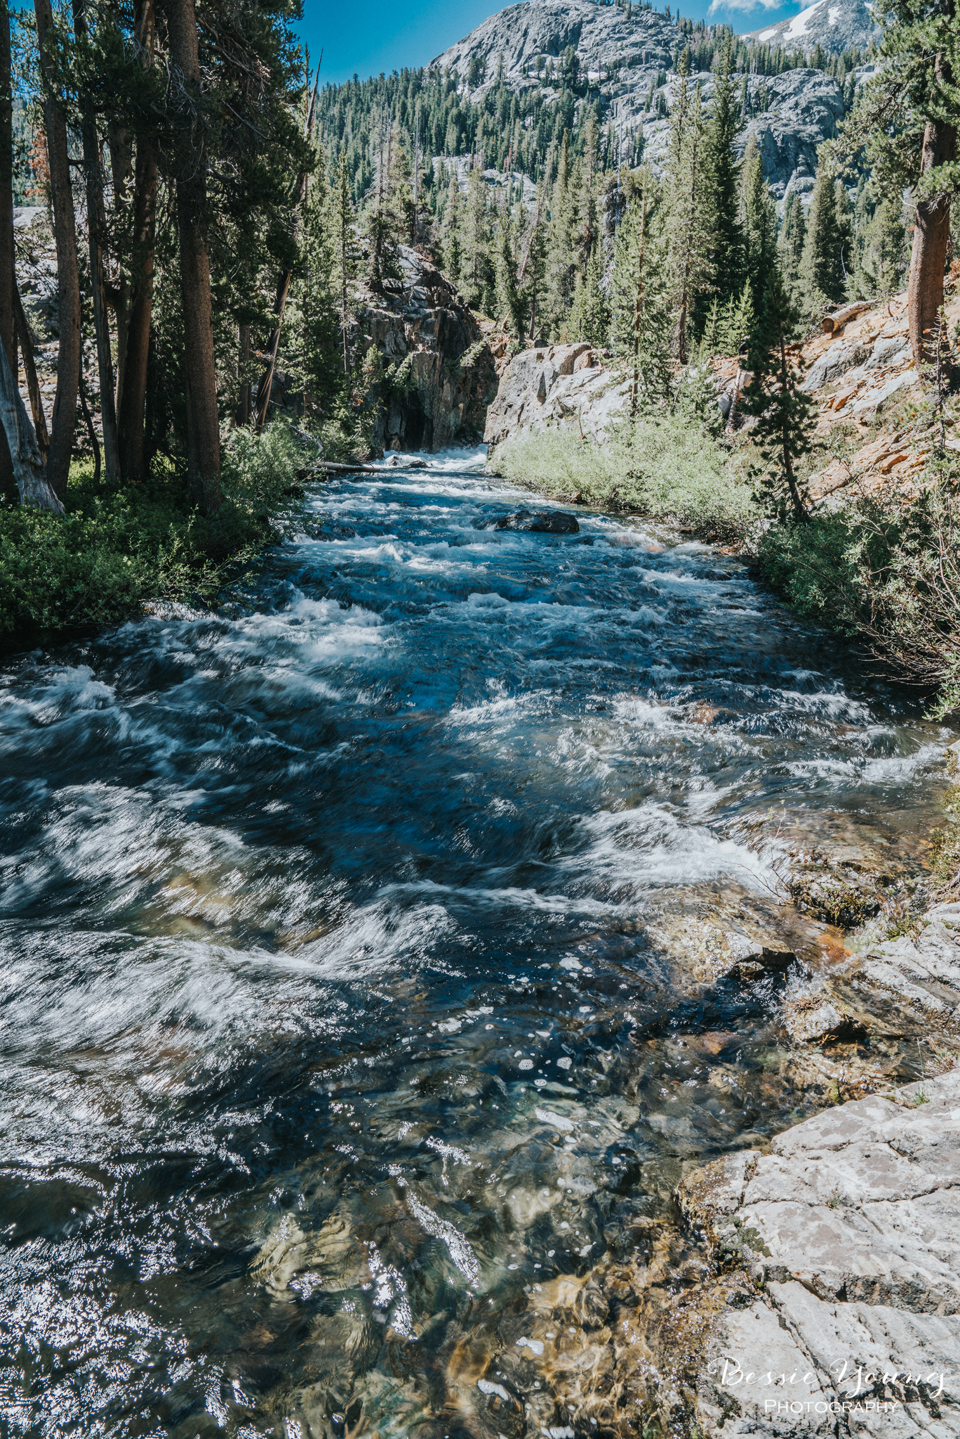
column 439, row 372
column 623, row 56
column 557, row 386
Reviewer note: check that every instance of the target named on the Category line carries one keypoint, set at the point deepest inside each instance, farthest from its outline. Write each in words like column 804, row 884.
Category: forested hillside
column 230, row 242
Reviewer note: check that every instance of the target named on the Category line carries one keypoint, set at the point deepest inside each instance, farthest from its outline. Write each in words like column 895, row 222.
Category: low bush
column 665, row 466
column 885, row 571
column 120, row 545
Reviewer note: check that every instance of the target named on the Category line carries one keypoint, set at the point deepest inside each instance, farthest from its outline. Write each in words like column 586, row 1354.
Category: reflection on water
column 347, row 1075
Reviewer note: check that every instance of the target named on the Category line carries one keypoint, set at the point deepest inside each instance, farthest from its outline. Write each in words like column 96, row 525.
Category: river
column 346, row 1071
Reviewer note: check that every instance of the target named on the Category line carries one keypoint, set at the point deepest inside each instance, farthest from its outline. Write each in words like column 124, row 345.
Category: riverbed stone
column 540, row 522
column 850, row 1230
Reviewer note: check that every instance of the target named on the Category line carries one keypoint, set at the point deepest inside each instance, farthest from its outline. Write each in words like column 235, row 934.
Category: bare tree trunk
column 8, row 334
column 96, row 229
column 28, row 468
column 244, row 353
column 203, row 421
column 799, row 508
column 133, row 387
column 120, row 165
column 931, row 237
column 33, row 384
column 68, row 272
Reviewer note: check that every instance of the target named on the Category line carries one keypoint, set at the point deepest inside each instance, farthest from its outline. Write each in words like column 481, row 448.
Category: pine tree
column 477, row 270
column 346, row 255
column 532, row 269
column 509, row 305
column 881, row 266
column 590, row 312
column 821, row 265
column 586, row 180
column 784, row 413
column 561, row 247
column 452, row 227
column 686, row 223
column 640, row 327
column 759, row 228
column 790, row 242
column 313, row 308
column 720, row 188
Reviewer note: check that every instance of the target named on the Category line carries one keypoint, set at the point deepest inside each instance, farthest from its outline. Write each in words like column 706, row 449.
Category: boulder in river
column 540, row 522
column 849, row 1230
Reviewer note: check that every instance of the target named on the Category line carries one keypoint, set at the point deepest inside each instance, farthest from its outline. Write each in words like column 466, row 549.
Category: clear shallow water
column 339, row 1055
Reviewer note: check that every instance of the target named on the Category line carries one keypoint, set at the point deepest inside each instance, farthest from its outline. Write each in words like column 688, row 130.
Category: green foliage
column 784, row 414
column 821, row 270
column 887, row 573
column 665, row 466
column 119, row 546
column 260, row 471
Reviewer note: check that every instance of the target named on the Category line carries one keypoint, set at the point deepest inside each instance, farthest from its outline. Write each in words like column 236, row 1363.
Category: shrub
column 120, row 545
column 666, row 466
column 887, row 572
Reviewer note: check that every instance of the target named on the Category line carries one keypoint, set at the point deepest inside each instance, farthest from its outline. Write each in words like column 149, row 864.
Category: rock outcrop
column 557, row 385
column 847, row 1235
column 628, row 59
column 439, row 374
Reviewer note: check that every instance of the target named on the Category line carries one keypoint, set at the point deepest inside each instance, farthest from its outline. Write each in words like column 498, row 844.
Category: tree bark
column 33, row 384
column 242, row 416
column 203, row 423
column 120, row 166
column 96, row 229
column 68, row 273
column 931, row 236
column 8, row 334
column 133, row 388
column 28, row 468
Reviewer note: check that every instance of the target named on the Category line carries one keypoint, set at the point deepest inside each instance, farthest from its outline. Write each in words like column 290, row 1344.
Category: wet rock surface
column 540, row 522
column 849, row 1228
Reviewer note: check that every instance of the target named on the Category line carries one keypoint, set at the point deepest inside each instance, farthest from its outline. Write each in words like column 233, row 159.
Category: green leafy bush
column 886, row 572
column 667, row 466
column 120, row 545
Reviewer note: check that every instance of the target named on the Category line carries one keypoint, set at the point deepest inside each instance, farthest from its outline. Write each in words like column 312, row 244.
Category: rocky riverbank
column 840, row 1248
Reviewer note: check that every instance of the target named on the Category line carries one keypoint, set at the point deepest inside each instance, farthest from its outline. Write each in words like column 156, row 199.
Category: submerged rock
column 850, row 1229
column 540, row 522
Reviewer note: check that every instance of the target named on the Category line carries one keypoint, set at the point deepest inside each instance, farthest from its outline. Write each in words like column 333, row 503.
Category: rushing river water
column 343, row 1066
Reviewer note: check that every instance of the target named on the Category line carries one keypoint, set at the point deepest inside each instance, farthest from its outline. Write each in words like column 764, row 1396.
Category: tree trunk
column 931, row 237
column 28, row 468
column 120, row 165
column 33, row 384
column 8, row 334
column 68, row 273
column 242, row 416
column 133, row 387
column 133, row 390
column 203, row 422
column 96, row 229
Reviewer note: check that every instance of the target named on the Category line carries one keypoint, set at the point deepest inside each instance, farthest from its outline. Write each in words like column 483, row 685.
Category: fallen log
column 831, row 324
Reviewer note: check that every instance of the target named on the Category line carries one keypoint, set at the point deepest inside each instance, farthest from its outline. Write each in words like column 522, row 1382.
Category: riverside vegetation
column 664, row 265
column 206, row 258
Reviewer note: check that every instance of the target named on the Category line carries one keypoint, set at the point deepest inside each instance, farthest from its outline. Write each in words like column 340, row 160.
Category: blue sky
column 367, row 36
